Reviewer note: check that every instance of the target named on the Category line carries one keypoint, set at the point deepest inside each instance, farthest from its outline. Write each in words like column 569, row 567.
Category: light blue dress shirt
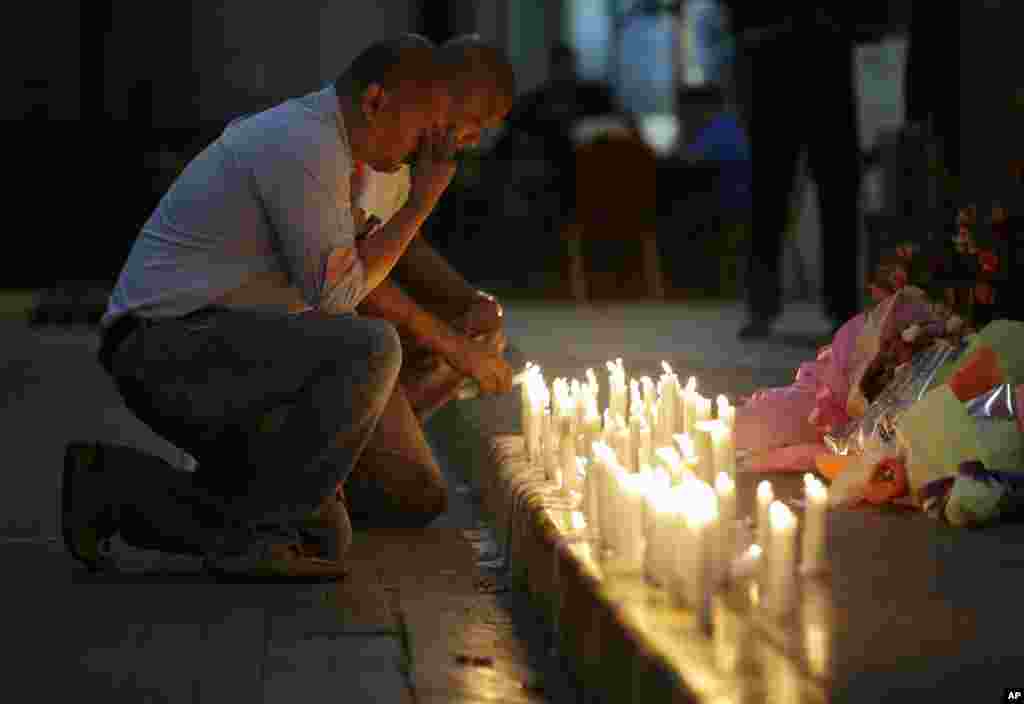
column 270, row 194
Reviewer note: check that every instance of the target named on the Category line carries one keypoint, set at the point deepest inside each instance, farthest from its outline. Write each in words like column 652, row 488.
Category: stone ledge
column 620, row 635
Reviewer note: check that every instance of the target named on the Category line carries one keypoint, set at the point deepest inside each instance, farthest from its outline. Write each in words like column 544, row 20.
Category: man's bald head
column 475, row 67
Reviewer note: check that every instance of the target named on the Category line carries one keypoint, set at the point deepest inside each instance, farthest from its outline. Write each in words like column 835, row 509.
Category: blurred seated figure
column 720, row 139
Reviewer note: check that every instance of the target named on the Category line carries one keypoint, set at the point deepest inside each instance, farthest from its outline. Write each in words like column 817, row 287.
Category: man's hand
column 484, row 315
column 434, row 168
column 481, row 361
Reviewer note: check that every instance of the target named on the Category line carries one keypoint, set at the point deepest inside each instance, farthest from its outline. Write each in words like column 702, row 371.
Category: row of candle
column 668, row 509
column 563, row 422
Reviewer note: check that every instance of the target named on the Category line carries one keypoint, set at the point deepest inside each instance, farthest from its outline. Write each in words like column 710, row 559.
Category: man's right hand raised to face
column 434, row 167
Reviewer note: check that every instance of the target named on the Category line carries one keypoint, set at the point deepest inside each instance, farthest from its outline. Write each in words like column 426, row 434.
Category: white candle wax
column 672, row 462
column 549, row 448
column 567, row 453
column 814, row 559
column 608, row 428
column 765, row 496
column 726, row 411
column 624, row 445
column 633, row 490
column 690, row 405
column 781, row 588
column 642, row 443
column 704, row 448
column 700, row 513
column 650, row 398
column 580, row 473
column 664, row 527
column 591, row 432
column 725, row 489
column 607, row 494
column 591, row 496
column 526, row 406
column 578, row 401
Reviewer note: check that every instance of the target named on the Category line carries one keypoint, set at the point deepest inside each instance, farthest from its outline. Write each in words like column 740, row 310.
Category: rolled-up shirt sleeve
column 315, row 232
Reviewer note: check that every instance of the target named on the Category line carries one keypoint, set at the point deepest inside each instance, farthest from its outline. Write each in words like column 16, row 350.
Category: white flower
column 954, row 324
column 911, row 333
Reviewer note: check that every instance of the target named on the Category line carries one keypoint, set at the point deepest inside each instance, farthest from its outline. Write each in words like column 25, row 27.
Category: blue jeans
column 276, row 408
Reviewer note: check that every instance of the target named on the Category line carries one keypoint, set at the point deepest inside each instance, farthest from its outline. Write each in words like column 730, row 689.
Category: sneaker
column 327, row 529
column 757, row 328
column 88, row 518
column 275, row 561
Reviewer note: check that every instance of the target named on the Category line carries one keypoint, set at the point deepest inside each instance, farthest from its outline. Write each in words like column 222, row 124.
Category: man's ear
column 373, row 101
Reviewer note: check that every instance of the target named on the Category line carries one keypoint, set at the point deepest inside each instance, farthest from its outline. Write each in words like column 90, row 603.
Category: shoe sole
column 69, row 525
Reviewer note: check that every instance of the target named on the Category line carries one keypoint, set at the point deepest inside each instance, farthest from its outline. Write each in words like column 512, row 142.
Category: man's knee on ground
column 388, row 490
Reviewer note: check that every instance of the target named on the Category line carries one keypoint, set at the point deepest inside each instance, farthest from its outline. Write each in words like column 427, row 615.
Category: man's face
column 402, row 119
column 469, row 117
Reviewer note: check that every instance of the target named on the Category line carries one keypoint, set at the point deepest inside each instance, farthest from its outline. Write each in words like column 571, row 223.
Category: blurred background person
column 799, row 69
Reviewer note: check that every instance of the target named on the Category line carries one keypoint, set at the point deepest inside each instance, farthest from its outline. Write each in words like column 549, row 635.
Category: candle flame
column 686, row 445
column 668, row 369
column 764, row 491
column 754, row 551
column 670, row 457
column 780, row 517
column 724, row 484
column 691, row 384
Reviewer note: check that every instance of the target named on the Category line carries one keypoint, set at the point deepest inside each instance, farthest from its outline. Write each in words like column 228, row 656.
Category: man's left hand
column 484, row 315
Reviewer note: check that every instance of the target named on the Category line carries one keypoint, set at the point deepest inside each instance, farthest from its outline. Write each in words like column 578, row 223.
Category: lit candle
column 726, row 411
column 578, row 401
column 814, row 559
column 567, row 451
column 538, row 401
column 641, row 437
column 526, row 407
column 633, row 489
column 700, row 512
column 672, row 462
column 723, row 451
column 781, row 590
column 650, row 398
column 765, row 496
column 549, row 448
column 624, row 445
column 579, row 474
column 591, row 494
column 607, row 498
column 664, row 530
column 592, row 388
column 591, row 428
column 608, row 428
column 725, row 489
column 617, row 399
column 690, row 405
column 748, row 564
column 703, row 445
column 668, row 392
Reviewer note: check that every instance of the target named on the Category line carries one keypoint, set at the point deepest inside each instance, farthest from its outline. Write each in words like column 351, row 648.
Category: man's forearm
column 382, row 250
column 391, row 303
column 433, row 281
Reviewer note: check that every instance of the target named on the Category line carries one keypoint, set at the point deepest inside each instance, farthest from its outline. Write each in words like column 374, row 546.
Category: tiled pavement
column 919, row 607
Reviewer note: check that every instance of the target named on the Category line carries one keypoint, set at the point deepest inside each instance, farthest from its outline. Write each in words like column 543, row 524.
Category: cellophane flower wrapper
column 910, row 383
